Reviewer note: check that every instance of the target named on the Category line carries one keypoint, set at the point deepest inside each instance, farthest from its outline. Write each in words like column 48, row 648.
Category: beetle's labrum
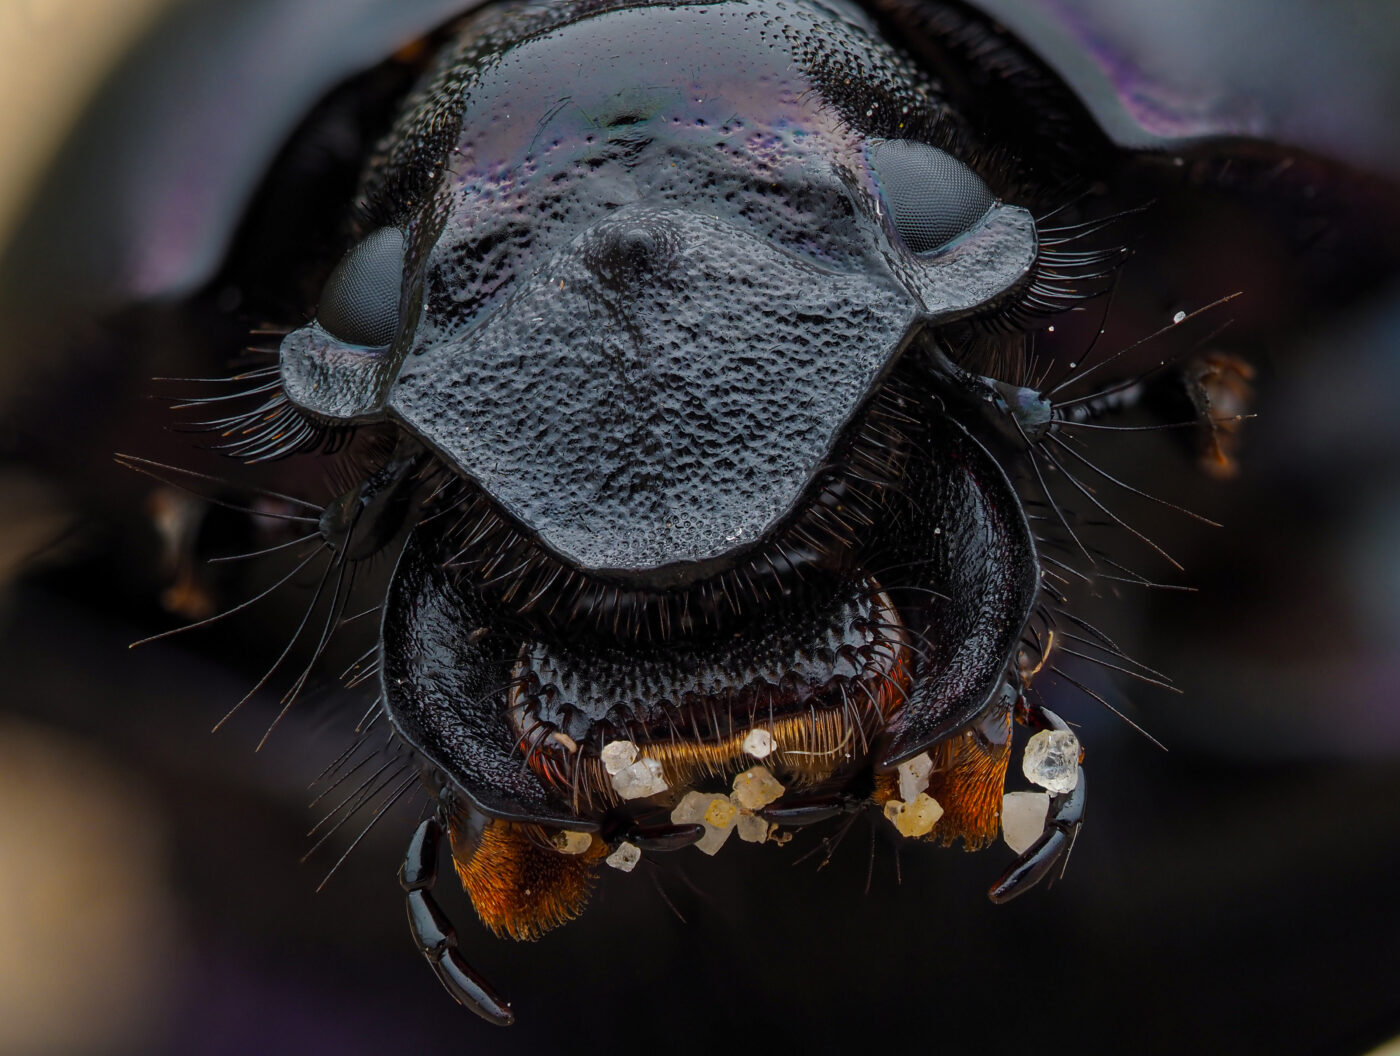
column 699, row 335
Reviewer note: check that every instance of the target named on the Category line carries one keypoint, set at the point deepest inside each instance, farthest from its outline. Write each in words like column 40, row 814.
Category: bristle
column 271, row 428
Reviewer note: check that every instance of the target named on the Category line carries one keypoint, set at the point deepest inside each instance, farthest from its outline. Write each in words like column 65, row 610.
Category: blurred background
column 164, row 194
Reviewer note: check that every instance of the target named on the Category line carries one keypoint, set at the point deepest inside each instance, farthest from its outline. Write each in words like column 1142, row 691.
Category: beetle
column 684, row 335
column 965, row 397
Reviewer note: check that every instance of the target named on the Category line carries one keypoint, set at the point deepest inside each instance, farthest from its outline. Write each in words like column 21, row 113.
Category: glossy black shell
column 652, row 274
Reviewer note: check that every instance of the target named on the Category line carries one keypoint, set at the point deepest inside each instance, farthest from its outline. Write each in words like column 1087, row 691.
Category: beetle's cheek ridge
column 976, row 269
column 331, row 379
column 437, row 673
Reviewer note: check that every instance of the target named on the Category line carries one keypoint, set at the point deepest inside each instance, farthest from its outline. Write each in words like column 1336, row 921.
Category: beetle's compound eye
column 932, row 196
column 360, row 302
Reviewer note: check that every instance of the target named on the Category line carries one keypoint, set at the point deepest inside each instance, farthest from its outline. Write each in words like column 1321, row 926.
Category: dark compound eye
column 932, row 196
column 360, row 303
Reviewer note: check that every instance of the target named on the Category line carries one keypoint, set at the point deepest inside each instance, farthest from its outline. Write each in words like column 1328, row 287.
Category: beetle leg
column 434, row 933
column 797, row 813
column 1061, row 828
column 665, row 837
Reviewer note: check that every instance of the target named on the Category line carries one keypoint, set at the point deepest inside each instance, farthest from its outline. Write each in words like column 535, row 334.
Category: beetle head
column 654, row 278
column 642, row 280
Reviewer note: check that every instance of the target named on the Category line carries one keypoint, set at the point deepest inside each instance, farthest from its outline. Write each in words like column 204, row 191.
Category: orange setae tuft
column 969, row 780
column 521, row 887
